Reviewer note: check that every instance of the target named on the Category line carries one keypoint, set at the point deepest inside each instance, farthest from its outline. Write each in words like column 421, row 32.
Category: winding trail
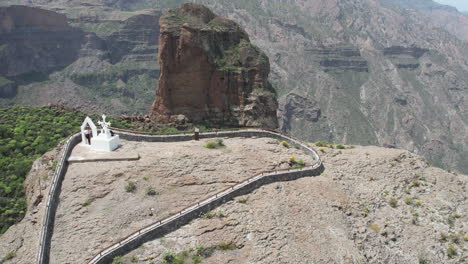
column 169, row 224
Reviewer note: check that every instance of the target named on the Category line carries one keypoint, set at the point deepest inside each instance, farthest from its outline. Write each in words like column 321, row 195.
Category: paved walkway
column 83, row 153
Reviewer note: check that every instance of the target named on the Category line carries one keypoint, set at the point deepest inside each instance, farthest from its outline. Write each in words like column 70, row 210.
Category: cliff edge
column 210, row 72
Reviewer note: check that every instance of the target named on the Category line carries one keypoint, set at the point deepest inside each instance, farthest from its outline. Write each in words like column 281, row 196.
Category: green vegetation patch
column 130, row 187
column 213, row 214
column 230, row 60
column 4, row 81
column 26, row 133
column 214, row 144
column 101, row 28
column 296, row 163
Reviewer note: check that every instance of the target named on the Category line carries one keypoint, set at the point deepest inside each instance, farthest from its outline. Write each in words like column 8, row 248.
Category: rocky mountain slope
column 442, row 16
column 346, row 71
column 96, row 65
column 210, row 72
column 370, row 205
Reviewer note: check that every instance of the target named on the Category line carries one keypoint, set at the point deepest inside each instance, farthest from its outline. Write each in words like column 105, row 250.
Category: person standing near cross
column 87, row 133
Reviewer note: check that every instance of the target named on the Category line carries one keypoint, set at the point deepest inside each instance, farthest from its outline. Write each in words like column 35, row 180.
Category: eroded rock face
column 211, row 72
column 296, row 107
column 36, row 40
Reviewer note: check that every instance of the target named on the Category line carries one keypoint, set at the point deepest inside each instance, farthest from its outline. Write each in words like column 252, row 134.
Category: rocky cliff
column 34, row 41
column 211, row 72
column 95, row 64
column 378, row 74
column 353, row 61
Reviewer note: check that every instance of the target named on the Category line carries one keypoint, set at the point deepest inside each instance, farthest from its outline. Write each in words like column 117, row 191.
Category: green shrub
column 409, row 200
column 292, row 160
column 9, row 255
column 210, row 145
column 226, row 246
column 130, row 187
column 151, row 191
column 285, row 144
column 423, row 260
column 415, row 183
column 375, row 228
column 86, row 203
column 393, row 202
column 212, row 214
column 455, row 238
column 134, row 259
column 242, row 200
column 117, row 260
column 203, row 252
column 456, row 215
column 443, row 237
column 54, row 165
column 365, row 211
column 214, row 144
column 321, row 144
column 219, row 142
column 452, row 251
column 296, row 163
column 168, row 257
column 340, row 146
column 196, row 259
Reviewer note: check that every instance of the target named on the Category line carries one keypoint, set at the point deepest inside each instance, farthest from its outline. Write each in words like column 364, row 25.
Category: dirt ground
column 96, row 211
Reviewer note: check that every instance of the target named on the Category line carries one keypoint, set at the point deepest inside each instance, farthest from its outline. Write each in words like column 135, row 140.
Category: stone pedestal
column 104, row 143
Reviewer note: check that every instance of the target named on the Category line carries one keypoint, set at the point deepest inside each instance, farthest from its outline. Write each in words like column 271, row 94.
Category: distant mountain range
column 419, row 5
column 365, row 72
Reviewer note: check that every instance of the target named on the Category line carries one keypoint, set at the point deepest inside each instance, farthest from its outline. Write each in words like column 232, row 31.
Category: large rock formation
column 211, row 72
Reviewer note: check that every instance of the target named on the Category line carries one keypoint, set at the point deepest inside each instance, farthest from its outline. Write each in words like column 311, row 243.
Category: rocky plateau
column 370, row 205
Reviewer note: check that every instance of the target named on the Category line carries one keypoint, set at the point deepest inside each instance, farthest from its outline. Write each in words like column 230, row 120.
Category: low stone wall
column 53, row 200
column 163, row 227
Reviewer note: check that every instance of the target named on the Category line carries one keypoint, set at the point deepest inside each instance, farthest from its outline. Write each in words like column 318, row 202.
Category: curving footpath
column 167, row 225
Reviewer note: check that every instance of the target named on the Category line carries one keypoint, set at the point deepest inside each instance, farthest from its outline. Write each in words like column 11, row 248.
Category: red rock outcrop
column 210, row 72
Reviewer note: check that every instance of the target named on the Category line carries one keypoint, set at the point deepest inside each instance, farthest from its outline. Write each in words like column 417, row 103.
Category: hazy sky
column 462, row 5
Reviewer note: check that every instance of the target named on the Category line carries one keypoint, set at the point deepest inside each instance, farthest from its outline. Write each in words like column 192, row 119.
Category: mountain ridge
column 341, row 58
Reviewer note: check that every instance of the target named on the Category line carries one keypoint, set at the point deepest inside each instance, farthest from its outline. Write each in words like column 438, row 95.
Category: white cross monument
column 103, row 141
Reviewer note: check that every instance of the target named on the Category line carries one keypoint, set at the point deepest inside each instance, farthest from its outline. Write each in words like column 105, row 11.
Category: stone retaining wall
column 172, row 223
column 53, row 199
